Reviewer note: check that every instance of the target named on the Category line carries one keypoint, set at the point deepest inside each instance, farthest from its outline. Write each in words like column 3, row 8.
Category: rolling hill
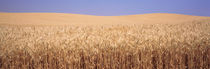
column 78, row 19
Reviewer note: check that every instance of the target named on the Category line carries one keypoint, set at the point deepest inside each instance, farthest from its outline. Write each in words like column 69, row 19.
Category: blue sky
column 108, row 7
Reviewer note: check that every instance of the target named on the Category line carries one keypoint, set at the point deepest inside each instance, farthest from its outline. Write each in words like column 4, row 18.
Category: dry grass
column 157, row 46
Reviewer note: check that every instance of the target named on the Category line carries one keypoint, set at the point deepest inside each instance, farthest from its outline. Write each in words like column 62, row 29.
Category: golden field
column 73, row 41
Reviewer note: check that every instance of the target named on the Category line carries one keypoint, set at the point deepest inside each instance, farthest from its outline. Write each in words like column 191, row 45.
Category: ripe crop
column 162, row 46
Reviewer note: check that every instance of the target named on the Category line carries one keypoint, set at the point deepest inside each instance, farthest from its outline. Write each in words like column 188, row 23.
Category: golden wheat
column 157, row 46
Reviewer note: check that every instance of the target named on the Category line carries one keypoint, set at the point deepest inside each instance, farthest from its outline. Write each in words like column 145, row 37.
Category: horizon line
column 103, row 15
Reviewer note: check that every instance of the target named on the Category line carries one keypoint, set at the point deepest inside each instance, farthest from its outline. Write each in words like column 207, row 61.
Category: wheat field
column 133, row 46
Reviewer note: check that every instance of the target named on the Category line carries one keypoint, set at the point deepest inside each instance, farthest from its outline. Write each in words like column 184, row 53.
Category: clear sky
column 108, row 7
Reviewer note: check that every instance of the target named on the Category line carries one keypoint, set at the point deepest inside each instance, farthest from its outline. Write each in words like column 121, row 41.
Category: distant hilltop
column 78, row 19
